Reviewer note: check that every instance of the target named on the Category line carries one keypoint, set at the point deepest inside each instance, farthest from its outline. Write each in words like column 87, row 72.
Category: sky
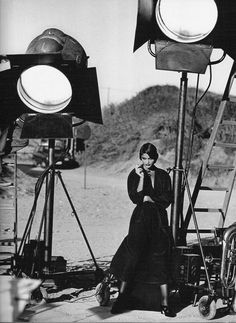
column 106, row 30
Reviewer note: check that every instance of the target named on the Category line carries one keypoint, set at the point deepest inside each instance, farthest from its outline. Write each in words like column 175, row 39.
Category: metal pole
column 177, row 174
column 50, row 204
column 15, row 204
column 85, row 166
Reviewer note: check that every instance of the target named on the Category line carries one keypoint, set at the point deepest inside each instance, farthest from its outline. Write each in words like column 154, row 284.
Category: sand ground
column 104, row 209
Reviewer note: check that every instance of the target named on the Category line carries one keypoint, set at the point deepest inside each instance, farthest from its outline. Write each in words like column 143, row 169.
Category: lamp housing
column 156, row 24
column 83, row 101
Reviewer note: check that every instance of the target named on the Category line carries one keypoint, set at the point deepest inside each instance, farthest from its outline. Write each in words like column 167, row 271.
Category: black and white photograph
column 117, row 161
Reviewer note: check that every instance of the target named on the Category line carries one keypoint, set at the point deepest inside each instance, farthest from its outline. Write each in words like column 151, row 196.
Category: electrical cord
column 82, row 298
column 191, row 132
column 78, row 123
column 219, row 60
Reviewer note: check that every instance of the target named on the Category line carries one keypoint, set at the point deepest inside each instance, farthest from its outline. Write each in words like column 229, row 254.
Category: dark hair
column 149, row 149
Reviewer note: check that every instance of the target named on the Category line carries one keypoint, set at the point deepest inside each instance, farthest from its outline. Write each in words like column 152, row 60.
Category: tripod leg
column 77, row 218
column 27, row 230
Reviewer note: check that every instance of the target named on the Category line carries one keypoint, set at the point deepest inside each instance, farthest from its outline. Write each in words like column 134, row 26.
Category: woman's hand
column 139, row 171
column 148, row 199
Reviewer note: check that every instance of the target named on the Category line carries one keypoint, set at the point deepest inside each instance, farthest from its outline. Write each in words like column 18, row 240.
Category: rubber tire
column 39, row 297
column 207, row 310
column 102, row 292
column 233, row 306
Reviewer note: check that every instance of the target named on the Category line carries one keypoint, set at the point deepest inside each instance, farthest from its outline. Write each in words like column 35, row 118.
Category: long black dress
column 144, row 253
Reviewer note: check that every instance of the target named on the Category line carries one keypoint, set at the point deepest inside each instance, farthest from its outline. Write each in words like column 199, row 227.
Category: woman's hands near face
column 148, row 199
column 139, row 170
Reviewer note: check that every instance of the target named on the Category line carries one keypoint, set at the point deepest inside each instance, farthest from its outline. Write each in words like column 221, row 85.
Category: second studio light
column 184, row 32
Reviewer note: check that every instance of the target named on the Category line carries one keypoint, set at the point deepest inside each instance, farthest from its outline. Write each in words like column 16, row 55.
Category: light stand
column 49, row 214
column 48, row 227
column 49, row 84
column 172, row 56
column 182, row 47
column 177, row 205
column 40, row 264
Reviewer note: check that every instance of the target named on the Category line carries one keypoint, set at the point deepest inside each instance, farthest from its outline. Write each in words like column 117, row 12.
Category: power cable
column 192, row 128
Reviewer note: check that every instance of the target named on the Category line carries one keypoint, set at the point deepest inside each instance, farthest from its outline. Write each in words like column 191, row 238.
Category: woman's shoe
column 167, row 311
column 120, row 304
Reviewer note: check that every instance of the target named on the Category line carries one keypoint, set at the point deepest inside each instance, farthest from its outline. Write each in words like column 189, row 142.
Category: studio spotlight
column 51, row 84
column 184, row 32
column 52, row 77
column 181, row 35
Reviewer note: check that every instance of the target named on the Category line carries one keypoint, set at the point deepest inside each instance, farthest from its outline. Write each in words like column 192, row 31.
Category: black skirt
column 144, row 254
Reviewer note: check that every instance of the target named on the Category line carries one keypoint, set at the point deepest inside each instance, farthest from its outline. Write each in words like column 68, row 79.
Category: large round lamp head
column 51, row 80
column 186, row 21
column 44, row 89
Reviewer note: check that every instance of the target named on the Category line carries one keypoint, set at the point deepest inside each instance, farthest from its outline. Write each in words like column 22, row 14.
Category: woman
column 146, row 248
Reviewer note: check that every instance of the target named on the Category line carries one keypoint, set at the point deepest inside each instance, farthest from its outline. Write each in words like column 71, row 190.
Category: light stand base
column 31, row 259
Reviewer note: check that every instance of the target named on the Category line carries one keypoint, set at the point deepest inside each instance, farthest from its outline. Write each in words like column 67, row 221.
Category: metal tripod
column 47, row 216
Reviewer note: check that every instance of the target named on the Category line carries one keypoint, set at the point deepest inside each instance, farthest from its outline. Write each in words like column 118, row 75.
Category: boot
column 120, row 304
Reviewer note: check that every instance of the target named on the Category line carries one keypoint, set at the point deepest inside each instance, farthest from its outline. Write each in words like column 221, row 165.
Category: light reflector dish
column 44, row 89
column 186, row 21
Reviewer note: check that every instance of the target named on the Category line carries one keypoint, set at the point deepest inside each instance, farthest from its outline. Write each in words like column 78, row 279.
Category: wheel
column 207, row 307
column 39, row 296
column 233, row 306
column 102, row 292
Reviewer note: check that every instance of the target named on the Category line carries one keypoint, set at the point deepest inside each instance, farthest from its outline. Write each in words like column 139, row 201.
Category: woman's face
column 147, row 161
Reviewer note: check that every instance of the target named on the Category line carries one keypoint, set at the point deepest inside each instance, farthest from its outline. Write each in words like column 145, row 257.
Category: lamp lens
column 186, row 21
column 44, row 89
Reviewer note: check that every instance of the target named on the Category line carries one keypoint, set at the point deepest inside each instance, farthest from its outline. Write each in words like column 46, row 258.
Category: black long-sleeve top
column 161, row 194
